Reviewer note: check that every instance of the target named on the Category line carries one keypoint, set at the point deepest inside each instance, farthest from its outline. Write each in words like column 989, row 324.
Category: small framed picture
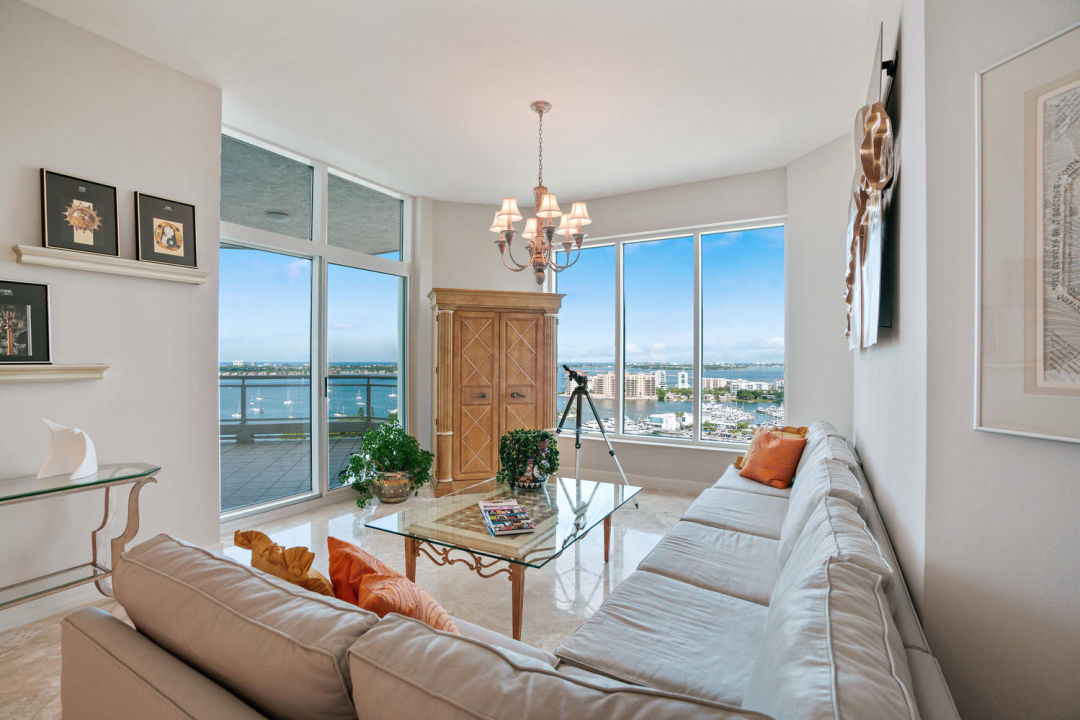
column 165, row 230
column 78, row 214
column 24, row 322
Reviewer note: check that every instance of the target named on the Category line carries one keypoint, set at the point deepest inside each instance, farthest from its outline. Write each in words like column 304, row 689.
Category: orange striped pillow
column 361, row 579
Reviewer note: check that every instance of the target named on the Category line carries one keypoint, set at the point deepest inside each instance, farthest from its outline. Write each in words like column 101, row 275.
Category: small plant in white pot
column 527, row 458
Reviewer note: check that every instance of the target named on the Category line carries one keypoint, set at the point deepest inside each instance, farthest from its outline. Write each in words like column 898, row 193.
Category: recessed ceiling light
column 277, row 216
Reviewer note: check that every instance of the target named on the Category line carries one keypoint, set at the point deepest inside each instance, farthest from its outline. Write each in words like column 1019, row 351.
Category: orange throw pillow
column 773, row 457
column 787, row 430
column 361, row 579
column 292, row 564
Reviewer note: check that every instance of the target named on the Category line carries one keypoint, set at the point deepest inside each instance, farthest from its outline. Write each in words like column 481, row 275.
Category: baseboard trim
column 671, row 485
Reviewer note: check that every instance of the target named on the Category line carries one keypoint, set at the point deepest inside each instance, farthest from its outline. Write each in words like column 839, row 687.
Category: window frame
column 695, row 231
column 321, row 254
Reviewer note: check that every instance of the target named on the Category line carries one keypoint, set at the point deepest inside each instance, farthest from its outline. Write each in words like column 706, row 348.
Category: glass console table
column 564, row 511
column 110, row 477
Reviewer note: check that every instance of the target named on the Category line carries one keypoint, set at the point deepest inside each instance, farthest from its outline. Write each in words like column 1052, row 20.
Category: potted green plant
column 527, row 458
column 389, row 465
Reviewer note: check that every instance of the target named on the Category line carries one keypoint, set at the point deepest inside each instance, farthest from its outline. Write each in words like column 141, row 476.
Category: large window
column 682, row 336
column 312, row 308
column 587, row 333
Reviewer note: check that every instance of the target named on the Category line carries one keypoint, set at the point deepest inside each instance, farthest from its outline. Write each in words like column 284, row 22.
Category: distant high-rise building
column 684, row 379
column 661, row 378
column 640, row 385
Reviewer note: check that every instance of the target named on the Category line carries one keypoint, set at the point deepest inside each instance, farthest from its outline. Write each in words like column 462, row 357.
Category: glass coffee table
column 452, row 530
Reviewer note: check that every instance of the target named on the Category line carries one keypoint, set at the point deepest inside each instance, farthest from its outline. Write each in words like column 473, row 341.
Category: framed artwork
column 78, row 214
column 165, row 230
column 24, row 322
column 1028, row 274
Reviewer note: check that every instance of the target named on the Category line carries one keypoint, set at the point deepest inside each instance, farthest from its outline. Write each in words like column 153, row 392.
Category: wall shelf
column 52, row 373
column 75, row 260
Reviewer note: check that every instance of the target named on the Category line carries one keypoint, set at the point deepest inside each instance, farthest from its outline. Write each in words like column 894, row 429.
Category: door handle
column 516, row 394
column 479, row 396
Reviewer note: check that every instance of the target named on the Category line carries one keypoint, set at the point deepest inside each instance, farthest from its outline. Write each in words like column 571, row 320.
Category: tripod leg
column 565, row 412
column 577, row 435
column 611, row 450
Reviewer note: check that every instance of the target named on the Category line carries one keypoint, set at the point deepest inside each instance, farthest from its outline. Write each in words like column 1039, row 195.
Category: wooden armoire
column 494, row 372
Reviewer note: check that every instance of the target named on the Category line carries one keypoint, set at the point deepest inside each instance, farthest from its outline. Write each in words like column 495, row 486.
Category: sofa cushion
column 830, row 447
column 392, row 671
column 663, row 633
column 734, row 510
column 820, row 430
column 831, row 650
column 834, row 529
column 732, row 480
column 278, row 647
column 490, row 637
column 826, row 478
column 734, row 563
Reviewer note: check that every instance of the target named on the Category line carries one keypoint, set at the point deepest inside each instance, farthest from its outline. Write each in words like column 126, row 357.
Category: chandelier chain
column 540, row 172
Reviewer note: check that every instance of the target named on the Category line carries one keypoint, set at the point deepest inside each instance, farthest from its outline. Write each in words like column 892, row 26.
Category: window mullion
column 620, row 360
column 698, row 371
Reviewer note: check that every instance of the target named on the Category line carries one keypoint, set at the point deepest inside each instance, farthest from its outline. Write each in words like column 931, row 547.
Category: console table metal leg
column 517, row 592
column 607, row 538
column 118, row 544
column 103, row 585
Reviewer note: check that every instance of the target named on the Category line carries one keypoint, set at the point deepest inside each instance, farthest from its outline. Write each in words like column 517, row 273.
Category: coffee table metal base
column 484, row 567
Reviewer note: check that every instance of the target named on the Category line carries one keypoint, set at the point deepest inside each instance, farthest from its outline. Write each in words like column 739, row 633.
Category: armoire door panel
column 475, row 343
column 519, row 363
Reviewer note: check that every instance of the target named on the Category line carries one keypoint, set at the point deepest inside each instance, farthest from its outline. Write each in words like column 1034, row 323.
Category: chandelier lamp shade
column 540, row 231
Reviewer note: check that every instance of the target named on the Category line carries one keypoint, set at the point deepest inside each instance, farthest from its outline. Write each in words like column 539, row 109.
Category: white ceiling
column 431, row 97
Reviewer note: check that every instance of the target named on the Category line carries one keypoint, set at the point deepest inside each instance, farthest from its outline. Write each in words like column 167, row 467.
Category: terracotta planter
column 392, row 487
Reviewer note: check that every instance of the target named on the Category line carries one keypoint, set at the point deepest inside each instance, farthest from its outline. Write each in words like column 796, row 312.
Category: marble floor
column 558, row 597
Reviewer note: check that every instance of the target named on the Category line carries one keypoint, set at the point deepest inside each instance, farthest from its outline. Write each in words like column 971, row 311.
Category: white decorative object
column 71, row 451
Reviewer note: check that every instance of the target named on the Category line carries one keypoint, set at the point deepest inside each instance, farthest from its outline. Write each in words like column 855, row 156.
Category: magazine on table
column 505, row 517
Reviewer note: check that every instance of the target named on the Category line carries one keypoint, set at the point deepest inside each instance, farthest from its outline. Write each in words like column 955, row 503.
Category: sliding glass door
column 364, row 357
column 264, row 376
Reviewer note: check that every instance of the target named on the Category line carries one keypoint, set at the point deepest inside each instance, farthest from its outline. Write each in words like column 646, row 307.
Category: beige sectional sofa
column 759, row 603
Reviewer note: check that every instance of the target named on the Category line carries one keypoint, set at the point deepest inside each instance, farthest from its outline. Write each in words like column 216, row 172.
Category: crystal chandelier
column 540, row 231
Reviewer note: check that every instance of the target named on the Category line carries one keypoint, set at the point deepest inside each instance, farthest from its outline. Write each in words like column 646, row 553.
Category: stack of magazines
column 505, row 517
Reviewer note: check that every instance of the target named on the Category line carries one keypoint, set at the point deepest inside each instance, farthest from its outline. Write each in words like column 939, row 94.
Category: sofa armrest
column 110, row 670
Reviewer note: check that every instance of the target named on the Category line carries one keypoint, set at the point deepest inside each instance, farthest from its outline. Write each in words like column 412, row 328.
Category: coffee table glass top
column 563, row 511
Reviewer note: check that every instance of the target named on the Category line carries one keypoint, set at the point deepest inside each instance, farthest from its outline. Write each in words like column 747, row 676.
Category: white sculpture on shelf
column 71, row 451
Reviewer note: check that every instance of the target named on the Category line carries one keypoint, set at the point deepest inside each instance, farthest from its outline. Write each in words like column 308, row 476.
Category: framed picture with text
column 1028, row 271
column 165, row 230
column 78, row 214
column 24, row 322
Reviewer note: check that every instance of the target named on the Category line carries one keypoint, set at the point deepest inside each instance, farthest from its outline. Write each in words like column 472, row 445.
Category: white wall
column 818, row 363
column 78, row 104
column 1002, row 576
column 890, row 377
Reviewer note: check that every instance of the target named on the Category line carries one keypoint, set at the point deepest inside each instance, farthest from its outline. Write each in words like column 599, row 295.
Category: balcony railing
column 250, row 421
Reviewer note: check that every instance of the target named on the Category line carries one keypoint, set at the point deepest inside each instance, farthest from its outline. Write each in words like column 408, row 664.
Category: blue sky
column 265, row 310
column 265, row 304
column 742, row 295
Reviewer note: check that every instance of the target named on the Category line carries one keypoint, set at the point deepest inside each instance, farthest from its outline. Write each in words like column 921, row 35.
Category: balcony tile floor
column 558, row 597
column 267, row 470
